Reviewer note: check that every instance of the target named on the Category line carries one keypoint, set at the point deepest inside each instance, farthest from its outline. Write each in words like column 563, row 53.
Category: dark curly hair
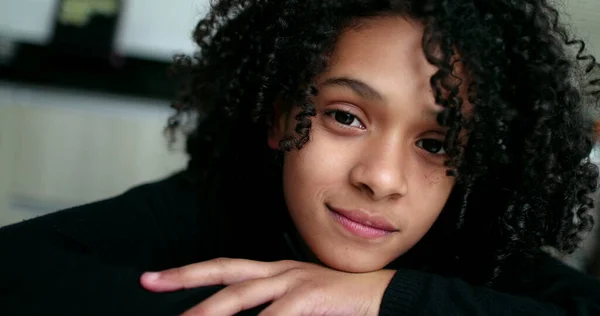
column 523, row 174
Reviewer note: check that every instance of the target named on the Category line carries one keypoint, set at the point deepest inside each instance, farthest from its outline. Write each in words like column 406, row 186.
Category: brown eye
column 346, row 118
column 433, row 146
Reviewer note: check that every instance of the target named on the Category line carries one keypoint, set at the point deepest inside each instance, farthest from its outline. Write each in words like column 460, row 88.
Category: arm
column 555, row 289
column 87, row 260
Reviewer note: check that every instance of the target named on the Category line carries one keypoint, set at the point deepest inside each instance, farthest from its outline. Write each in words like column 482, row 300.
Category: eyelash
column 441, row 145
column 332, row 114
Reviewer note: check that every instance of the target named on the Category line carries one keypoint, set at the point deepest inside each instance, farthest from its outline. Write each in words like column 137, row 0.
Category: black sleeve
column 553, row 289
column 88, row 260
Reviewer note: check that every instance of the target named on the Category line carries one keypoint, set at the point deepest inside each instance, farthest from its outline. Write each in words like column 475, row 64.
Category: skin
column 375, row 146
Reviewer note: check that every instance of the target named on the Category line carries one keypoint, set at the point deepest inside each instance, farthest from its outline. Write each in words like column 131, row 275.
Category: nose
column 380, row 172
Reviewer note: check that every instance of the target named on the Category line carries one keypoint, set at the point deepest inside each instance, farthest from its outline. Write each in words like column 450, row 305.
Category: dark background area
column 82, row 57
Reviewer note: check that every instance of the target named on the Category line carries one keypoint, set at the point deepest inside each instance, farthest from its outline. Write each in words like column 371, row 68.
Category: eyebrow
column 360, row 88
column 365, row 91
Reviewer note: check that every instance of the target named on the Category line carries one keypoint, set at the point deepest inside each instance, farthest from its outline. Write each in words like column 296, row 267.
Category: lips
column 365, row 219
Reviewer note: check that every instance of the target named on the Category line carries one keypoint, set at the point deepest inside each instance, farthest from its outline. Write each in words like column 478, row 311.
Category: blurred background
column 84, row 98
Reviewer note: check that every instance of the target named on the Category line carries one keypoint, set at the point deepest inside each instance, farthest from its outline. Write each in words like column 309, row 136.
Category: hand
column 292, row 287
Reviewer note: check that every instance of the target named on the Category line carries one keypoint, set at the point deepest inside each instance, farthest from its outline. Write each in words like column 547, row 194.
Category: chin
column 358, row 263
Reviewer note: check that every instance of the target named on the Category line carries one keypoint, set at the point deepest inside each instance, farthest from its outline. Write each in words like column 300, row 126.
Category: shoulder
column 551, row 280
column 161, row 217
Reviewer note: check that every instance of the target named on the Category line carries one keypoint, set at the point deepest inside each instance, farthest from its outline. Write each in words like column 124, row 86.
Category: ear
column 278, row 126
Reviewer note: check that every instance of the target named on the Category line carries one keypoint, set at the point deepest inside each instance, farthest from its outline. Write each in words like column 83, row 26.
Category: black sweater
column 87, row 261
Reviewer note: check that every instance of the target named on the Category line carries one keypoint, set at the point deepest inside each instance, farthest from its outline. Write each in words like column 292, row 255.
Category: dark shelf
column 47, row 66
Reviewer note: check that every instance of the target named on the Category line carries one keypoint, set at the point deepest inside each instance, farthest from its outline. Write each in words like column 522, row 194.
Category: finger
column 213, row 272
column 242, row 296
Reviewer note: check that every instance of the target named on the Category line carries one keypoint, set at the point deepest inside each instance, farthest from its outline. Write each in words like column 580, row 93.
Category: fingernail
column 151, row 276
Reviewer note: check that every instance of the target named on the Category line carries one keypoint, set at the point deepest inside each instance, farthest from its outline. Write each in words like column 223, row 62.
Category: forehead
column 383, row 42
column 387, row 54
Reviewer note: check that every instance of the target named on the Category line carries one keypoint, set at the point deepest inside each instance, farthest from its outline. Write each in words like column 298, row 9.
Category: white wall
column 159, row 28
column 27, row 20
column 584, row 16
column 60, row 148
column 155, row 29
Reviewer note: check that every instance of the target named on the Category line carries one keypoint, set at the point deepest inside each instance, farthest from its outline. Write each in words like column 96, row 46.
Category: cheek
column 439, row 185
column 311, row 171
column 430, row 194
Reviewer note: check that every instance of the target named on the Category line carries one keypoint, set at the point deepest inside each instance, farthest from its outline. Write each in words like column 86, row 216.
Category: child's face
column 375, row 151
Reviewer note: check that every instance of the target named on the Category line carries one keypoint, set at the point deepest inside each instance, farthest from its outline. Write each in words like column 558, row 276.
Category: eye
column 345, row 118
column 431, row 145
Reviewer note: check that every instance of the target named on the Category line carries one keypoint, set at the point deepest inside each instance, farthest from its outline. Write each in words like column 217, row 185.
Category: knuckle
column 289, row 263
column 221, row 260
column 315, row 293
column 237, row 290
column 296, row 273
column 222, row 265
column 201, row 310
column 316, row 303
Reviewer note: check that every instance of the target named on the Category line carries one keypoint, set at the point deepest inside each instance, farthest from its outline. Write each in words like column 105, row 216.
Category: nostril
column 367, row 189
column 395, row 196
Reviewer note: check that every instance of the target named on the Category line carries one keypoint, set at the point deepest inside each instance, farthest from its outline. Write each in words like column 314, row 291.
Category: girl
column 355, row 157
